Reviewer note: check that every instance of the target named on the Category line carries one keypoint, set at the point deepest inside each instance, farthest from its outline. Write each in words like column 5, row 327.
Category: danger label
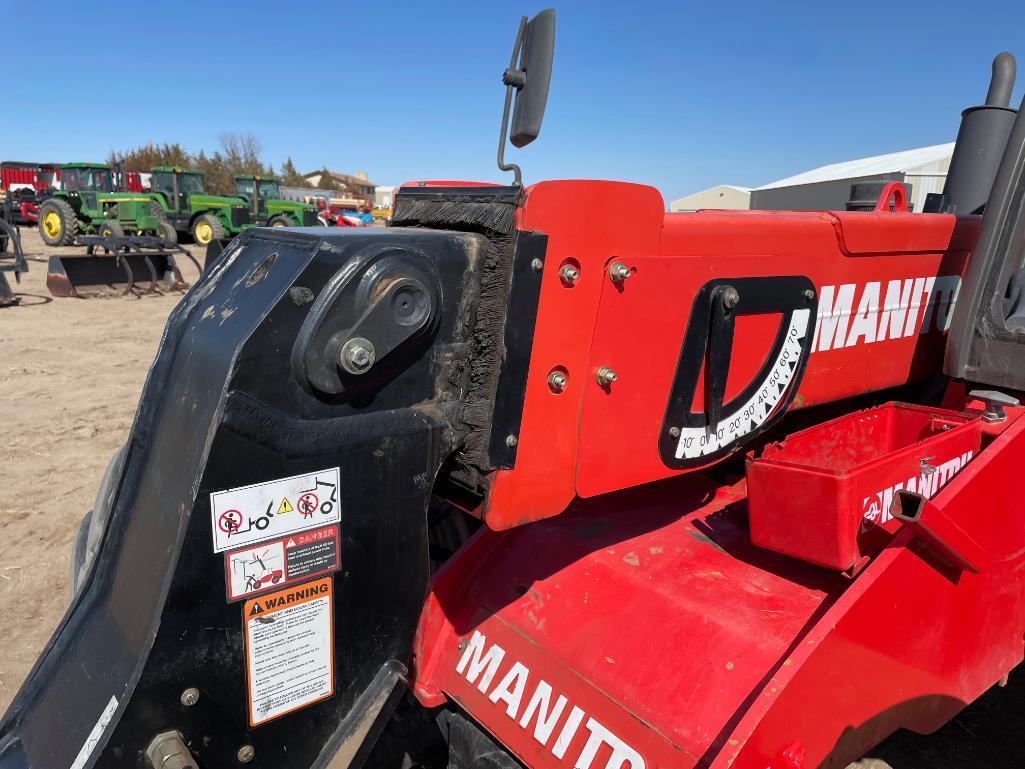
column 272, row 565
column 273, row 509
column 289, row 650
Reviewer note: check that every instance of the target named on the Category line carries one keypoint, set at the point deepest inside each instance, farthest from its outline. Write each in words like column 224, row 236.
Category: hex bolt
column 357, row 355
column 730, row 297
column 245, row 754
column 605, row 376
column 674, row 431
column 809, row 294
column 569, row 274
column 557, row 381
column 619, row 272
column 190, row 696
column 462, row 644
column 537, row 265
column 167, row 750
column 510, row 440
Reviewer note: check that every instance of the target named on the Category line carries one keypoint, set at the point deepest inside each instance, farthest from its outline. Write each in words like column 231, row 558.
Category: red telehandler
column 549, row 488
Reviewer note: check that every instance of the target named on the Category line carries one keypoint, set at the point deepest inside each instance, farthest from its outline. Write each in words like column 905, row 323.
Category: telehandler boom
column 514, row 483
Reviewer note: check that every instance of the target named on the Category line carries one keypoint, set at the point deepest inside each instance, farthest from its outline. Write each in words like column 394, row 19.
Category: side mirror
column 533, row 78
column 530, row 79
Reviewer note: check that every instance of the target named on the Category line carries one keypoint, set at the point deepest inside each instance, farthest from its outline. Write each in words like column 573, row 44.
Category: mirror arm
column 513, row 78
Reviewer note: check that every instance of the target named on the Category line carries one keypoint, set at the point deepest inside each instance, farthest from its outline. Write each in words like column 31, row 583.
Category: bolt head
column 619, row 272
column 537, row 265
column 557, row 381
column 674, row 431
column 809, row 294
column 245, row 754
column 730, row 297
column 357, row 355
column 511, row 440
column 190, row 696
column 605, row 376
column 569, row 274
column 462, row 644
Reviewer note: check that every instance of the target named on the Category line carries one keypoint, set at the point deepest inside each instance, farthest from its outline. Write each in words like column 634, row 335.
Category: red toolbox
column 824, row 494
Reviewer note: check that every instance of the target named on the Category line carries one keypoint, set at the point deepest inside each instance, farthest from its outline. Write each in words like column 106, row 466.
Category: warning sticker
column 273, row 509
column 289, row 650
column 275, row 564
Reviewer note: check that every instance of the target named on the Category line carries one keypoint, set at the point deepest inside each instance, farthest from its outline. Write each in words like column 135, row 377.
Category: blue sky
column 680, row 95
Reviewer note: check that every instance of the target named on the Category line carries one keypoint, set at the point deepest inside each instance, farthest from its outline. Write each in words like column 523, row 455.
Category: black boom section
column 229, row 403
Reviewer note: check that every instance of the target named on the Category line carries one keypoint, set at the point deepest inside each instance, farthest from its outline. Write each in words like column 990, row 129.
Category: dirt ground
column 71, row 371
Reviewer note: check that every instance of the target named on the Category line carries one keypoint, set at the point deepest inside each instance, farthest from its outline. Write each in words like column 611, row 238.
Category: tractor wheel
column 207, row 228
column 94, row 524
column 112, row 227
column 166, row 231
column 58, row 225
column 280, row 221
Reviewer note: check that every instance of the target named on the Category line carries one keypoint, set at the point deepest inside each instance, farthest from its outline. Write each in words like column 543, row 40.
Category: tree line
column 236, row 154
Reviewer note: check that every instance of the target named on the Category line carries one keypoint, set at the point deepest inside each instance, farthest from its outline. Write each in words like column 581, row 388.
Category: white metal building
column 727, row 196
column 828, row 188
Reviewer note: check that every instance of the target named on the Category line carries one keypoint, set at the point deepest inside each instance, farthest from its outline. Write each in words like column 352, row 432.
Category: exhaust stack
column 980, row 146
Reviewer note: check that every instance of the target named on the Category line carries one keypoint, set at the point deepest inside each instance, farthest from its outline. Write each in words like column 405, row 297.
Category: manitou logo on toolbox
column 876, row 507
column 850, row 314
column 481, row 667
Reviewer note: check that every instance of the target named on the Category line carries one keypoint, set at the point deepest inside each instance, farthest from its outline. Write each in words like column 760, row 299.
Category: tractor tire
column 112, row 227
column 94, row 523
column 206, row 229
column 79, row 551
column 280, row 221
column 58, row 225
column 166, row 232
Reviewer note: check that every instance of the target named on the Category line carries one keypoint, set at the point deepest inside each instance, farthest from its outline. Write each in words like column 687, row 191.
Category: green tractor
column 268, row 209
column 87, row 204
column 179, row 198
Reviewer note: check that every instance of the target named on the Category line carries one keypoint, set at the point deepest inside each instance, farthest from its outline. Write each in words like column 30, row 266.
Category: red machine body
column 872, row 338
column 639, row 625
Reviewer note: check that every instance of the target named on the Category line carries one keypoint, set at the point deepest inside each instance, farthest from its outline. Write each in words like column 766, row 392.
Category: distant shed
column 828, row 188
column 727, row 196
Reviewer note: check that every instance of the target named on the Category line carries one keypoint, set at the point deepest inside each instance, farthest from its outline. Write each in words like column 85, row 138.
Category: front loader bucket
column 74, row 275
column 12, row 261
column 116, row 265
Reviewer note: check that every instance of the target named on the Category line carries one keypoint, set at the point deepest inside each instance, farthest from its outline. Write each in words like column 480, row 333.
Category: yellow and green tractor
column 268, row 208
column 88, row 204
column 179, row 198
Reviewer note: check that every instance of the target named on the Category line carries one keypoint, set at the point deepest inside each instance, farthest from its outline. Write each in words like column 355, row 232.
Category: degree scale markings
column 700, row 441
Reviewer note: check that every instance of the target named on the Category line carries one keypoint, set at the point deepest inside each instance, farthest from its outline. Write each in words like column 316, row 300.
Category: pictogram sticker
column 230, row 521
column 308, row 504
column 250, row 514
column 289, row 649
column 272, row 565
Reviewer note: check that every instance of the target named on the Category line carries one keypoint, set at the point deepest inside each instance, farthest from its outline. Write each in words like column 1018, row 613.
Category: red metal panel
column 650, row 611
column 635, row 606
column 133, row 181
column 619, row 425
column 581, row 231
column 18, row 175
column 582, row 440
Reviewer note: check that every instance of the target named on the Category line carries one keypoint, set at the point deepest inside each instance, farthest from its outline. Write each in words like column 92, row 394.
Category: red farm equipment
column 24, row 186
column 551, row 489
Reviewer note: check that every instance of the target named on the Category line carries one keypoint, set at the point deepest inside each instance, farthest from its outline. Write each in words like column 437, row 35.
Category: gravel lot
column 71, row 372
